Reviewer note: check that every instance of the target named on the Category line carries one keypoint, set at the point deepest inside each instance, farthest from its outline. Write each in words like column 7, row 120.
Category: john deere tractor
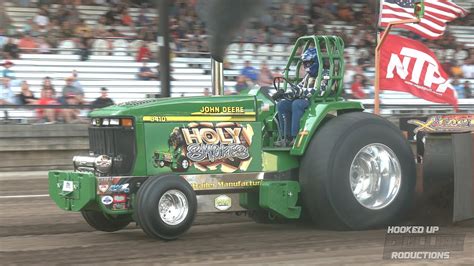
column 347, row 169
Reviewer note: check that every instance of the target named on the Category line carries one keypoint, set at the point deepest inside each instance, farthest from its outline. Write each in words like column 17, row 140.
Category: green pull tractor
column 158, row 162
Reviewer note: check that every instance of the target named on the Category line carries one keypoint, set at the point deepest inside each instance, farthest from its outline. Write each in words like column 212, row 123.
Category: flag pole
column 377, row 59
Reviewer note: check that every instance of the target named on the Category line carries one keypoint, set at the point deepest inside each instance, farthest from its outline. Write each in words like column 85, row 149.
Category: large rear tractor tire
column 357, row 173
column 166, row 207
column 104, row 222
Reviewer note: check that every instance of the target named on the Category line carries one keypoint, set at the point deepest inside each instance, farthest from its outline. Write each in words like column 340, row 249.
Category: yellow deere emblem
column 423, row 126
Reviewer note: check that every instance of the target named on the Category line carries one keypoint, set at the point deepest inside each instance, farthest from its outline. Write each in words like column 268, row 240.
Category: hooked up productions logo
column 420, row 243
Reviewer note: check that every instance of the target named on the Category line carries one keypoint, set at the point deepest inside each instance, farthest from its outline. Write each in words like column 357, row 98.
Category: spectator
column 11, row 50
column 69, row 89
column 76, row 82
column 74, row 17
column 26, row 96
column 83, row 45
column 47, row 115
column 344, row 12
column 146, row 73
column 229, row 91
column 7, row 72
column 468, row 69
column 103, row 100
column 100, row 28
column 207, row 92
column 71, row 115
column 265, row 77
column 31, row 28
column 277, row 73
column 126, row 19
column 456, row 70
column 83, row 30
column 241, row 84
column 67, row 29
column 277, row 37
column 143, row 53
column 27, row 44
column 24, row 3
column 249, row 71
column 357, row 87
column 111, row 15
column 43, row 46
column 458, row 88
column 62, row 13
column 6, row 94
column 467, row 90
column 47, row 85
column 41, row 20
column 142, row 19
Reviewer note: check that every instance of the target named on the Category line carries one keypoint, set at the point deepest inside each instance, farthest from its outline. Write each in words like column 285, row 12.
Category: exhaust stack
column 217, row 77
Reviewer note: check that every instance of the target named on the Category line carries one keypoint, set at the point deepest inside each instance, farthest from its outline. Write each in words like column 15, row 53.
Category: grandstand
column 115, row 67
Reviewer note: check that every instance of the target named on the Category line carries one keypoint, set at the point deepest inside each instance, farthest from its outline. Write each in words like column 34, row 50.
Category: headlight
column 115, row 122
column 105, row 122
column 94, row 122
column 103, row 163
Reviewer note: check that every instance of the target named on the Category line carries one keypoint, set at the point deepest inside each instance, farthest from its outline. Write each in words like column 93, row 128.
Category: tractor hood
column 183, row 109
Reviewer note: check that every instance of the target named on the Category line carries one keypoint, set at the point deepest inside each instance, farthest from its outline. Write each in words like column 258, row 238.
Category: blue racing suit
column 290, row 111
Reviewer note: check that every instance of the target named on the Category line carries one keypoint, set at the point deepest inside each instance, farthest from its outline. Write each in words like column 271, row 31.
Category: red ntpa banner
column 409, row 66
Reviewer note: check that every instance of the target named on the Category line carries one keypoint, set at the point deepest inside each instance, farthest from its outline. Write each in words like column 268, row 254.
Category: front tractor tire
column 166, row 207
column 104, row 222
column 357, row 173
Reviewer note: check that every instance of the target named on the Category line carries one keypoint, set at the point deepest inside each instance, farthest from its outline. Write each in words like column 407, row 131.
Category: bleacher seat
column 67, row 47
column 248, row 50
column 278, row 49
column 120, row 47
column 233, row 52
column 100, row 47
column 263, row 51
column 134, row 46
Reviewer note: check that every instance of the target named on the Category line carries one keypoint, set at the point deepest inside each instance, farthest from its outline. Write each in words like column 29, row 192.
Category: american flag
column 433, row 23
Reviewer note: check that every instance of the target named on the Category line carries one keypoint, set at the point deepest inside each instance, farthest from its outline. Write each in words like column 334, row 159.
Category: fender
column 314, row 116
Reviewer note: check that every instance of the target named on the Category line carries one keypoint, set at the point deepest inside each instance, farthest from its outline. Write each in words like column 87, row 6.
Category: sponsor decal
column 207, row 114
column 116, row 180
column 120, row 188
column 120, row 198
column 119, row 206
column 445, row 123
column 103, row 184
column 223, row 202
column 208, row 146
column 68, row 186
column 103, row 188
column 106, row 200
column 226, row 185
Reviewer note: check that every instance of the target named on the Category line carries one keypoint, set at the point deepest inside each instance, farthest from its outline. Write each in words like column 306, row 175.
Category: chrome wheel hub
column 375, row 176
column 173, row 207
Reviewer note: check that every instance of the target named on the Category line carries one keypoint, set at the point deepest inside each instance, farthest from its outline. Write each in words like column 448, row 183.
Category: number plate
column 68, row 186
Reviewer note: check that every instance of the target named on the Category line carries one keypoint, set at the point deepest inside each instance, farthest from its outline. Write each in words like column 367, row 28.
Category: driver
column 292, row 107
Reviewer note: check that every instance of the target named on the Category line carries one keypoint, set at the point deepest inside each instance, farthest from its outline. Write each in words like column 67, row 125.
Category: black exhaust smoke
column 224, row 19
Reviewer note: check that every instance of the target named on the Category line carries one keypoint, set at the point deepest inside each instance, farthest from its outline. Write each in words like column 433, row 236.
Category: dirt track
column 35, row 231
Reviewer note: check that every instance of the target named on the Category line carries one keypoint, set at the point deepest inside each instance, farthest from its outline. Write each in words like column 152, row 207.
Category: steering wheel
column 280, row 93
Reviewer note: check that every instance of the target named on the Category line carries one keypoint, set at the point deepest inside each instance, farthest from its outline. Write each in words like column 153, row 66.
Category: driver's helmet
column 310, row 61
